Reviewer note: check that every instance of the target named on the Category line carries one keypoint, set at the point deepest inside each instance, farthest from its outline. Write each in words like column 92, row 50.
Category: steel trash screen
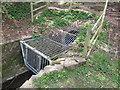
column 37, row 53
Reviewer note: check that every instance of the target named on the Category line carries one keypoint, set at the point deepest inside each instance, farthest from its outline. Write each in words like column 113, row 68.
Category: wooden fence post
column 87, row 42
column 96, row 35
column 48, row 2
column 31, row 4
column 70, row 7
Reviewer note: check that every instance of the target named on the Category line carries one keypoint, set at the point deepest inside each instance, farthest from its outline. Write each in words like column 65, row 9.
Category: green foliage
column 16, row 10
column 106, row 24
column 4, row 10
column 46, row 12
column 39, row 20
column 81, row 14
column 60, row 22
column 62, row 17
column 12, row 27
column 82, row 35
column 103, row 37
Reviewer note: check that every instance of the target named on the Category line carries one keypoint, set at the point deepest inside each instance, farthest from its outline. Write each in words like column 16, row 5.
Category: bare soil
column 16, row 30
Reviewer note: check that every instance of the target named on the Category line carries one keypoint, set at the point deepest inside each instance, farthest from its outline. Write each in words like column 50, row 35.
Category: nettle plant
column 61, row 18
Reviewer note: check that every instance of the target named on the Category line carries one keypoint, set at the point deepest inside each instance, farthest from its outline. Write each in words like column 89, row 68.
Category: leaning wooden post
column 31, row 4
column 99, row 28
column 87, row 42
column 48, row 3
column 70, row 7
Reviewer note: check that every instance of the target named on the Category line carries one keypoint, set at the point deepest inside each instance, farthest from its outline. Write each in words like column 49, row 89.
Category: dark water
column 16, row 81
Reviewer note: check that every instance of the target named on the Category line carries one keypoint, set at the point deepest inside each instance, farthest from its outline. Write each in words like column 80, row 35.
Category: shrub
column 16, row 10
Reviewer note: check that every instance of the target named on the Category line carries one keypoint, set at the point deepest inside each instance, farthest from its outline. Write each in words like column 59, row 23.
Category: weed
column 106, row 24
column 99, row 71
column 60, row 22
column 61, row 18
column 36, row 35
column 114, row 26
column 103, row 37
column 81, row 36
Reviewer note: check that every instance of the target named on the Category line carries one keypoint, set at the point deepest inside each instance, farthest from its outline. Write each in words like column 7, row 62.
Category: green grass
column 82, row 35
column 100, row 71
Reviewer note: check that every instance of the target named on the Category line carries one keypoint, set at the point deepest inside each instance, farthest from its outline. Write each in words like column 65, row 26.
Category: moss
column 12, row 60
column 12, row 66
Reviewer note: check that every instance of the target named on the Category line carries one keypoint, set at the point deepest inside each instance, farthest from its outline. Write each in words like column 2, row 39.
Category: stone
column 40, row 73
column 49, row 69
column 62, row 62
column 33, row 77
column 71, row 53
column 79, row 59
column 27, row 84
column 61, row 59
column 70, row 63
column 59, row 67
column 56, row 67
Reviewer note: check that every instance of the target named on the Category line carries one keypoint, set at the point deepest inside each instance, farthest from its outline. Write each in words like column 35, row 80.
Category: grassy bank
column 99, row 72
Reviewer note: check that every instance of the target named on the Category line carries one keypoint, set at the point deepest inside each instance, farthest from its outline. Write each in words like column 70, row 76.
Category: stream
column 17, row 80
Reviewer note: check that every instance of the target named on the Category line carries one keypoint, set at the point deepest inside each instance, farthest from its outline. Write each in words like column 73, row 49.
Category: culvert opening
column 70, row 38
column 16, row 81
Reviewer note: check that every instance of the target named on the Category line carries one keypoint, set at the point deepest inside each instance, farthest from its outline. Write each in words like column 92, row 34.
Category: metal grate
column 47, row 46
column 38, row 53
column 62, row 37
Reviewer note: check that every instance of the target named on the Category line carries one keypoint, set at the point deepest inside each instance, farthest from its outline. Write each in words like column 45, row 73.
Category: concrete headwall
column 10, row 50
column 12, row 61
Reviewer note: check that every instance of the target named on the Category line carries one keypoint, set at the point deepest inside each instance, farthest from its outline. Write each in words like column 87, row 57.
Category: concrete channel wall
column 67, row 62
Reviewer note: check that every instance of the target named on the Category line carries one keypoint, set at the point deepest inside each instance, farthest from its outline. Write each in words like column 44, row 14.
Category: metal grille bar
column 38, row 53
